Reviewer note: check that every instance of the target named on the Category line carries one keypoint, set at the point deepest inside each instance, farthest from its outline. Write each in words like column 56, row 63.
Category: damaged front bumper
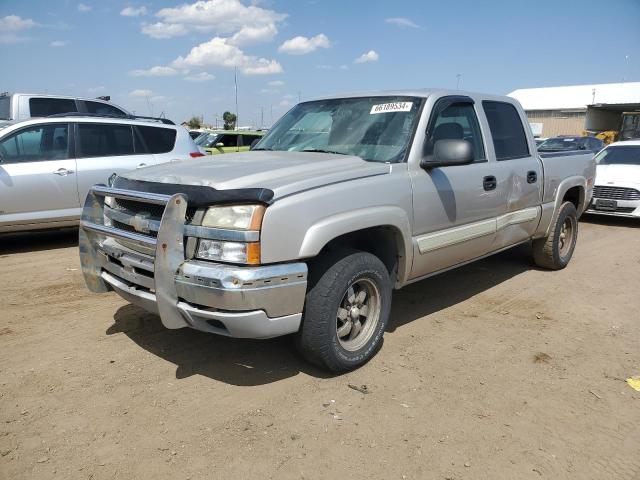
column 151, row 268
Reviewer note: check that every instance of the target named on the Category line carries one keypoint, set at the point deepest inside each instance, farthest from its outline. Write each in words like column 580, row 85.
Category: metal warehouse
column 611, row 110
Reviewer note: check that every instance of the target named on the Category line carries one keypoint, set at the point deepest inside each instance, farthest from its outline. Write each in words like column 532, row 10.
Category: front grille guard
column 169, row 244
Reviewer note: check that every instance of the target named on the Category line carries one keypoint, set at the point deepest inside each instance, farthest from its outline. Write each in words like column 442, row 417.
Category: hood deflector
column 198, row 195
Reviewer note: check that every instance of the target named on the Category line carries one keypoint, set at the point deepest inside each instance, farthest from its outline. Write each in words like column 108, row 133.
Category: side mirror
column 219, row 144
column 448, row 153
column 254, row 143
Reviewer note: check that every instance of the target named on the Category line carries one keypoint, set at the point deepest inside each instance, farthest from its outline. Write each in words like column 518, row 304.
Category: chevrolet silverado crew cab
column 344, row 200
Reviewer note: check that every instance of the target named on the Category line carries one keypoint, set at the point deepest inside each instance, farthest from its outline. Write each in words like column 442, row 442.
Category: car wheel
column 555, row 251
column 346, row 311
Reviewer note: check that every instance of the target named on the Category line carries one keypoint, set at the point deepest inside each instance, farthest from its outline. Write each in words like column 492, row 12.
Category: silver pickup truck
column 344, row 200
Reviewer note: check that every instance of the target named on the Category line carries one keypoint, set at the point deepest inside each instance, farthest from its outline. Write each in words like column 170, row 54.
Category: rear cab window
column 505, row 124
column 5, row 108
column 43, row 107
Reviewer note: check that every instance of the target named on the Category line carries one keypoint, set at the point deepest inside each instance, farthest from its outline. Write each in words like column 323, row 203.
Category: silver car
column 47, row 165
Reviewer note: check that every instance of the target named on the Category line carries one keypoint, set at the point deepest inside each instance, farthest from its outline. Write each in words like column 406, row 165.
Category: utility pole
column 261, row 117
column 235, row 79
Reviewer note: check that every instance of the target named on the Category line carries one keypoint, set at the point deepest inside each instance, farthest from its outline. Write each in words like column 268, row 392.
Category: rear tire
column 555, row 251
column 346, row 311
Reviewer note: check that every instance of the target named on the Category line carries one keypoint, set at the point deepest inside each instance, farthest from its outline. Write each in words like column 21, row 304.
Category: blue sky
column 178, row 57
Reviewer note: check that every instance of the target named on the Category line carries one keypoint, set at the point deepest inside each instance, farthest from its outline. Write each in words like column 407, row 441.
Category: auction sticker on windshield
column 391, row 107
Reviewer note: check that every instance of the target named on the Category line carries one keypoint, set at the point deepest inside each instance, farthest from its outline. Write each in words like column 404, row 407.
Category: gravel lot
column 496, row 370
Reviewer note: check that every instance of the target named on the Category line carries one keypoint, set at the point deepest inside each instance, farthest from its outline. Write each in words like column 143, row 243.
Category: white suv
column 47, row 165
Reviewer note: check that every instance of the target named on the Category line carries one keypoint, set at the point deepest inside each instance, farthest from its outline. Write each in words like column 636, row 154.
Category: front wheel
column 555, row 251
column 346, row 312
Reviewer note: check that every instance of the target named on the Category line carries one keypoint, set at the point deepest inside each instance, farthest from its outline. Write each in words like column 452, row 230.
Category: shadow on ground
column 257, row 362
column 38, row 241
column 611, row 220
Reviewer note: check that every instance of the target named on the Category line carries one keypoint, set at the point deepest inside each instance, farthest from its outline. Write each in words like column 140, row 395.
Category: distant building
column 574, row 109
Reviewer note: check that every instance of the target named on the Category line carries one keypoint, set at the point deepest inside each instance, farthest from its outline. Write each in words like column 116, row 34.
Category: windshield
column 5, row 103
column 627, row 155
column 376, row 129
column 206, row 139
column 561, row 144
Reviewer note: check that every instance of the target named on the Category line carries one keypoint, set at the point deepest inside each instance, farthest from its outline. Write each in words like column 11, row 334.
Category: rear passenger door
column 518, row 172
column 37, row 175
column 103, row 149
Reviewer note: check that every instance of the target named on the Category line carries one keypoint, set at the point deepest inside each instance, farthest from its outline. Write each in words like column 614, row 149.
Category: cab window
column 103, row 109
column 37, row 143
column 43, row 107
column 456, row 121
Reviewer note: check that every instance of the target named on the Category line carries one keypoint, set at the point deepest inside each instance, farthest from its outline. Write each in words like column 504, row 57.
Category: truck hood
column 284, row 173
column 617, row 173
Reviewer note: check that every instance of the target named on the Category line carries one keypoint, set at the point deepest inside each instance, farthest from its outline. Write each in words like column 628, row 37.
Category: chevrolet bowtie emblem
column 140, row 223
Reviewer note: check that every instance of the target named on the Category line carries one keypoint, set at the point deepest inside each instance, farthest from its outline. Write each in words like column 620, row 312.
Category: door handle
column 63, row 172
column 141, row 165
column 532, row 177
column 489, row 182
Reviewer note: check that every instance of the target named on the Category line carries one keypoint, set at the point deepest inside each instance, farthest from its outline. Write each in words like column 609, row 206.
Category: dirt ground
column 496, row 370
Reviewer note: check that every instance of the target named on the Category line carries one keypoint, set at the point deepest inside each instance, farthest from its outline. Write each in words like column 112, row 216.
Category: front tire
column 346, row 311
column 555, row 251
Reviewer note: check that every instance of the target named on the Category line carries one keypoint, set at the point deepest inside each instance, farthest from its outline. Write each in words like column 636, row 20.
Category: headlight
column 231, row 252
column 236, row 217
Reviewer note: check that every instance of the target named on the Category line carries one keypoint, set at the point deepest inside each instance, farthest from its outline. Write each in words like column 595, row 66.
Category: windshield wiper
column 262, row 148
column 319, row 150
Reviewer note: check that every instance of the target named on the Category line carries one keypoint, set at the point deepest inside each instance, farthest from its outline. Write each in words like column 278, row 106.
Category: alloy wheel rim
column 358, row 314
column 566, row 236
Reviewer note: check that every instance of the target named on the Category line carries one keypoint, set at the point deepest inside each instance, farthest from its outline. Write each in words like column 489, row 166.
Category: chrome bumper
column 250, row 302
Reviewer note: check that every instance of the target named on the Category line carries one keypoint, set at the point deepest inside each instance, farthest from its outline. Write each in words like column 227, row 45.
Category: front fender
column 329, row 228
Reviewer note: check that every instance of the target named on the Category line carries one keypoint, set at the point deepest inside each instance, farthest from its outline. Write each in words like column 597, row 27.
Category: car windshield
column 206, row 139
column 621, row 155
column 376, row 129
column 562, row 144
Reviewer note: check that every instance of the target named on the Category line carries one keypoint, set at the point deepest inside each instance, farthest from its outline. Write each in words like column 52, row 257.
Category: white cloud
column 370, row 56
column 302, row 45
column 133, row 11
column 163, row 30
column 157, row 71
column 253, row 35
column 247, row 24
column 59, row 43
column 84, row 8
column 200, row 77
column 140, row 93
column 401, row 22
column 12, row 25
column 219, row 52
column 97, row 89
column 275, row 83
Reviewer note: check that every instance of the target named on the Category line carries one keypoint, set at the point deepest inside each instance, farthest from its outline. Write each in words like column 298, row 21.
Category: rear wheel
column 346, row 311
column 555, row 251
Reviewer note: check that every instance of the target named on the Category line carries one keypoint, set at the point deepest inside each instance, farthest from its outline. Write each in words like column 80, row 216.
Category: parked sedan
column 617, row 184
column 567, row 144
column 47, row 165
